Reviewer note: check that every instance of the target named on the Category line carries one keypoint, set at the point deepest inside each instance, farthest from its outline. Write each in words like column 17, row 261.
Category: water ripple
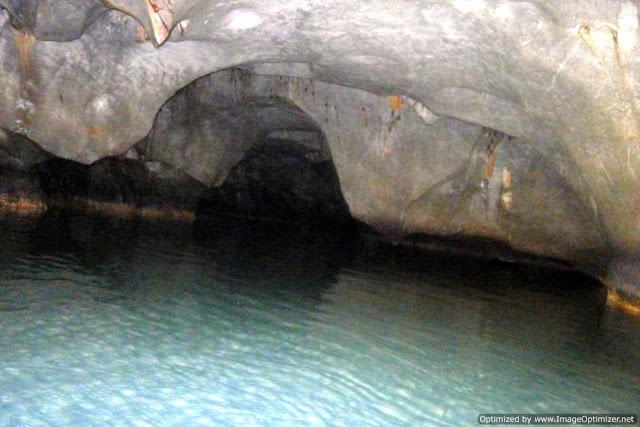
column 165, row 333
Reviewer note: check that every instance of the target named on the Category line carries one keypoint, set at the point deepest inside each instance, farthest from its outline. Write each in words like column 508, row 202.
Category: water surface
column 113, row 322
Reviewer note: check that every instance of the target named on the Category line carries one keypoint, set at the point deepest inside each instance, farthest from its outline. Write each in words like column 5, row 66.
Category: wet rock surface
column 129, row 184
column 280, row 180
column 405, row 97
column 19, row 184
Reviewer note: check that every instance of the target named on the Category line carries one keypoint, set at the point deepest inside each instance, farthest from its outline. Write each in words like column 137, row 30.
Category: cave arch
column 262, row 155
column 549, row 75
column 401, row 169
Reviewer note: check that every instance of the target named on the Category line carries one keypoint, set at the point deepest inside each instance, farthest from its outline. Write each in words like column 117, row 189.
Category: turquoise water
column 123, row 323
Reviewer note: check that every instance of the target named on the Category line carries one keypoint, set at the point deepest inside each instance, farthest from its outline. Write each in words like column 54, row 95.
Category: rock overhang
column 561, row 78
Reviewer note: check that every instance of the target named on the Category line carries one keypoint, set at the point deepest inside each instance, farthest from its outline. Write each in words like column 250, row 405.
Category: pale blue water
column 123, row 324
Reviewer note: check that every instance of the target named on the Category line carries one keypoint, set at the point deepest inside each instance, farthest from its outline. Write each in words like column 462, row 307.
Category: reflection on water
column 112, row 322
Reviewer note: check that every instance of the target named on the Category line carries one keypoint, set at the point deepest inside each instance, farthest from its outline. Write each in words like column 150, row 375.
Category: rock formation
column 510, row 120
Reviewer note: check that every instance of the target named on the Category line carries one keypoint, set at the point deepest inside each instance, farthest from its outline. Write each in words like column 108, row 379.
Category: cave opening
column 288, row 176
column 387, row 234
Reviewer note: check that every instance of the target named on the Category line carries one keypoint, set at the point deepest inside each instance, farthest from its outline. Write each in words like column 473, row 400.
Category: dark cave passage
column 281, row 179
column 430, row 217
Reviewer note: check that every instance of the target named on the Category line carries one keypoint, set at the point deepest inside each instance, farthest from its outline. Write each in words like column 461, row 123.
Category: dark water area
column 131, row 323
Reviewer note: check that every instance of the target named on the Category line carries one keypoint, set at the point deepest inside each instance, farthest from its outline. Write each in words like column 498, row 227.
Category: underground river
column 139, row 323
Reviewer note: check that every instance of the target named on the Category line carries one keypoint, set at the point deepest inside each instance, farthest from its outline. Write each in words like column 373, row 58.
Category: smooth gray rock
column 560, row 77
column 60, row 20
column 208, row 126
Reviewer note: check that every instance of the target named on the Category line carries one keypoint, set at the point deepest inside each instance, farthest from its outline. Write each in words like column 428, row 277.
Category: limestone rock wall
column 207, row 127
column 402, row 169
column 85, row 80
column 20, row 188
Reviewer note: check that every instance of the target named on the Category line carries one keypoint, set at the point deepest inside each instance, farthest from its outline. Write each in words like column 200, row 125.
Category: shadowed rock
column 401, row 94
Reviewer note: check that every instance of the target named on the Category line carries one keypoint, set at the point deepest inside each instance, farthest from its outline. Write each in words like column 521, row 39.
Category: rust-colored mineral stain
column 397, row 102
column 25, row 42
column 24, row 117
column 168, row 214
column 116, row 209
column 492, row 147
column 491, row 161
column 126, row 210
column 614, row 299
column 96, row 132
column 21, row 206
